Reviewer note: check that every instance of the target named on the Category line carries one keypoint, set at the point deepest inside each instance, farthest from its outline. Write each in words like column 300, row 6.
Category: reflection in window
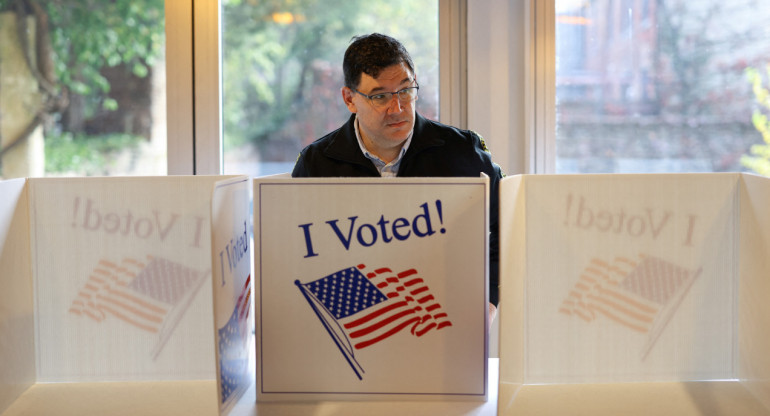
column 282, row 71
column 657, row 86
column 82, row 88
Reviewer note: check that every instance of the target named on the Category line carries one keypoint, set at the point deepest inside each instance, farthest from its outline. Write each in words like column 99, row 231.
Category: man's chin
column 398, row 138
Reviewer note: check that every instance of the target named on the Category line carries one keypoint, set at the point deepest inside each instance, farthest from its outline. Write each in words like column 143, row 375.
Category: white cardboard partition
column 371, row 289
column 110, row 279
column 232, row 285
column 621, row 294
column 634, row 294
column 17, row 338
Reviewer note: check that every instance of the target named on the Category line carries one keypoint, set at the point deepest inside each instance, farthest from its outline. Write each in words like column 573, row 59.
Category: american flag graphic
column 359, row 308
column 150, row 294
column 640, row 294
column 233, row 364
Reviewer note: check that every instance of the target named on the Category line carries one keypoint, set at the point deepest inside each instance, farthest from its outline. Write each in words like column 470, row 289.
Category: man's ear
column 347, row 97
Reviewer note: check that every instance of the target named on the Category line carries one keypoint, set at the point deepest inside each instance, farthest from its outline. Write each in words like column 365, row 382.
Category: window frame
column 543, row 135
column 510, row 75
column 179, row 82
column 497, row 62
column 193, row 80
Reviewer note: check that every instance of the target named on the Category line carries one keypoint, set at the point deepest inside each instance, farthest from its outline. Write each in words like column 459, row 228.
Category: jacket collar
column 343, row 145
column 425, row 136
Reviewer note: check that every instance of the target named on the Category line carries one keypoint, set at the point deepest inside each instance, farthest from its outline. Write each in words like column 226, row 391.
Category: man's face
column 383, row 130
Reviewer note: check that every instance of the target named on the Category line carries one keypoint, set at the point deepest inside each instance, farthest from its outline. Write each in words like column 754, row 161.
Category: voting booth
column 635, row 294
column 132, row 296
column 371, row 289
column 620, row 294
column 124, row 295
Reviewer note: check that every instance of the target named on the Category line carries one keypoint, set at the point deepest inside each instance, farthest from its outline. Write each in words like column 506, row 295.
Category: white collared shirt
column 387, row 170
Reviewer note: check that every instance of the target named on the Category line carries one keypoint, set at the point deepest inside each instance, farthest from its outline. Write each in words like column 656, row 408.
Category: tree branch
column 25, row 134
column 41, row 30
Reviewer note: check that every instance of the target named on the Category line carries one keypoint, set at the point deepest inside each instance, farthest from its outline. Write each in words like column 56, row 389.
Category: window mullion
column 541, row 153
column 179, row 91
column 208, row 87
column 453, row 58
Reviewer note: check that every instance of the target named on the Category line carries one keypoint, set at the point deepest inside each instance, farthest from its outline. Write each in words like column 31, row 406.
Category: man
column 386, row 137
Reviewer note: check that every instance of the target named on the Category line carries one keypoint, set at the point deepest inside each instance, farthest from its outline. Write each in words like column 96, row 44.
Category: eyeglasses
column 383, row 99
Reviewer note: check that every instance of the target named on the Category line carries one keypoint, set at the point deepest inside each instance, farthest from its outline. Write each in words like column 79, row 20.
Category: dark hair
column 370, row 54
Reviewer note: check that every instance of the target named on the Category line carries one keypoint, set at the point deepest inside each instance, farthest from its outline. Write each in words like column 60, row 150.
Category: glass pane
column 82, row 92
column 282, row 71
column 658, row 85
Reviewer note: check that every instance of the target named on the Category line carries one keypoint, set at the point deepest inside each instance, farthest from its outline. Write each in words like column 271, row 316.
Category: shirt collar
column 385, row 169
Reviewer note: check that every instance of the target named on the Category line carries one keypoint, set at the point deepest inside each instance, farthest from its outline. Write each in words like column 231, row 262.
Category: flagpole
column 176, row 314
column 668, row 312
column 348, row 356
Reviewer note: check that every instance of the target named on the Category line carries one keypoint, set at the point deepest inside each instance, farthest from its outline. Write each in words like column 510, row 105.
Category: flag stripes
column 232, row 340
column 373, row 306
column 629, row 292
column 359, row 309
column 403, row 310
column 140, row 293
column 243, row 308
column 107, row 291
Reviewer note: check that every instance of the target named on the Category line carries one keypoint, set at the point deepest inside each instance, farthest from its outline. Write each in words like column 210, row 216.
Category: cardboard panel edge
column 512, row 272
column 17, row 337
column 753, row 367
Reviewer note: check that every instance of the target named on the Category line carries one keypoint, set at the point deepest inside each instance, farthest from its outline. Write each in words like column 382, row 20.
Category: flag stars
column 347, row 292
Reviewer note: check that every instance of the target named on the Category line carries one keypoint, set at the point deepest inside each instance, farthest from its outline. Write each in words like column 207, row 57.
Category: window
column 657, row 86
column 88, row 95
column 282, row 71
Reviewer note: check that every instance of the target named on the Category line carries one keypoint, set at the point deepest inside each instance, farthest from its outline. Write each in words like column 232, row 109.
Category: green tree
column 75, row 40
column 283, row 65
column 760, row 162
column 701, row 56
column 272, row 51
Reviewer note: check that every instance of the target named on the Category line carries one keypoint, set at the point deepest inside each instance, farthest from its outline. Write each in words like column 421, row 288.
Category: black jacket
column 436, row 150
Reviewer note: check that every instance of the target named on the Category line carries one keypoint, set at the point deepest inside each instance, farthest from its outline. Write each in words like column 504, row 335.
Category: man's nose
column 397, row 108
